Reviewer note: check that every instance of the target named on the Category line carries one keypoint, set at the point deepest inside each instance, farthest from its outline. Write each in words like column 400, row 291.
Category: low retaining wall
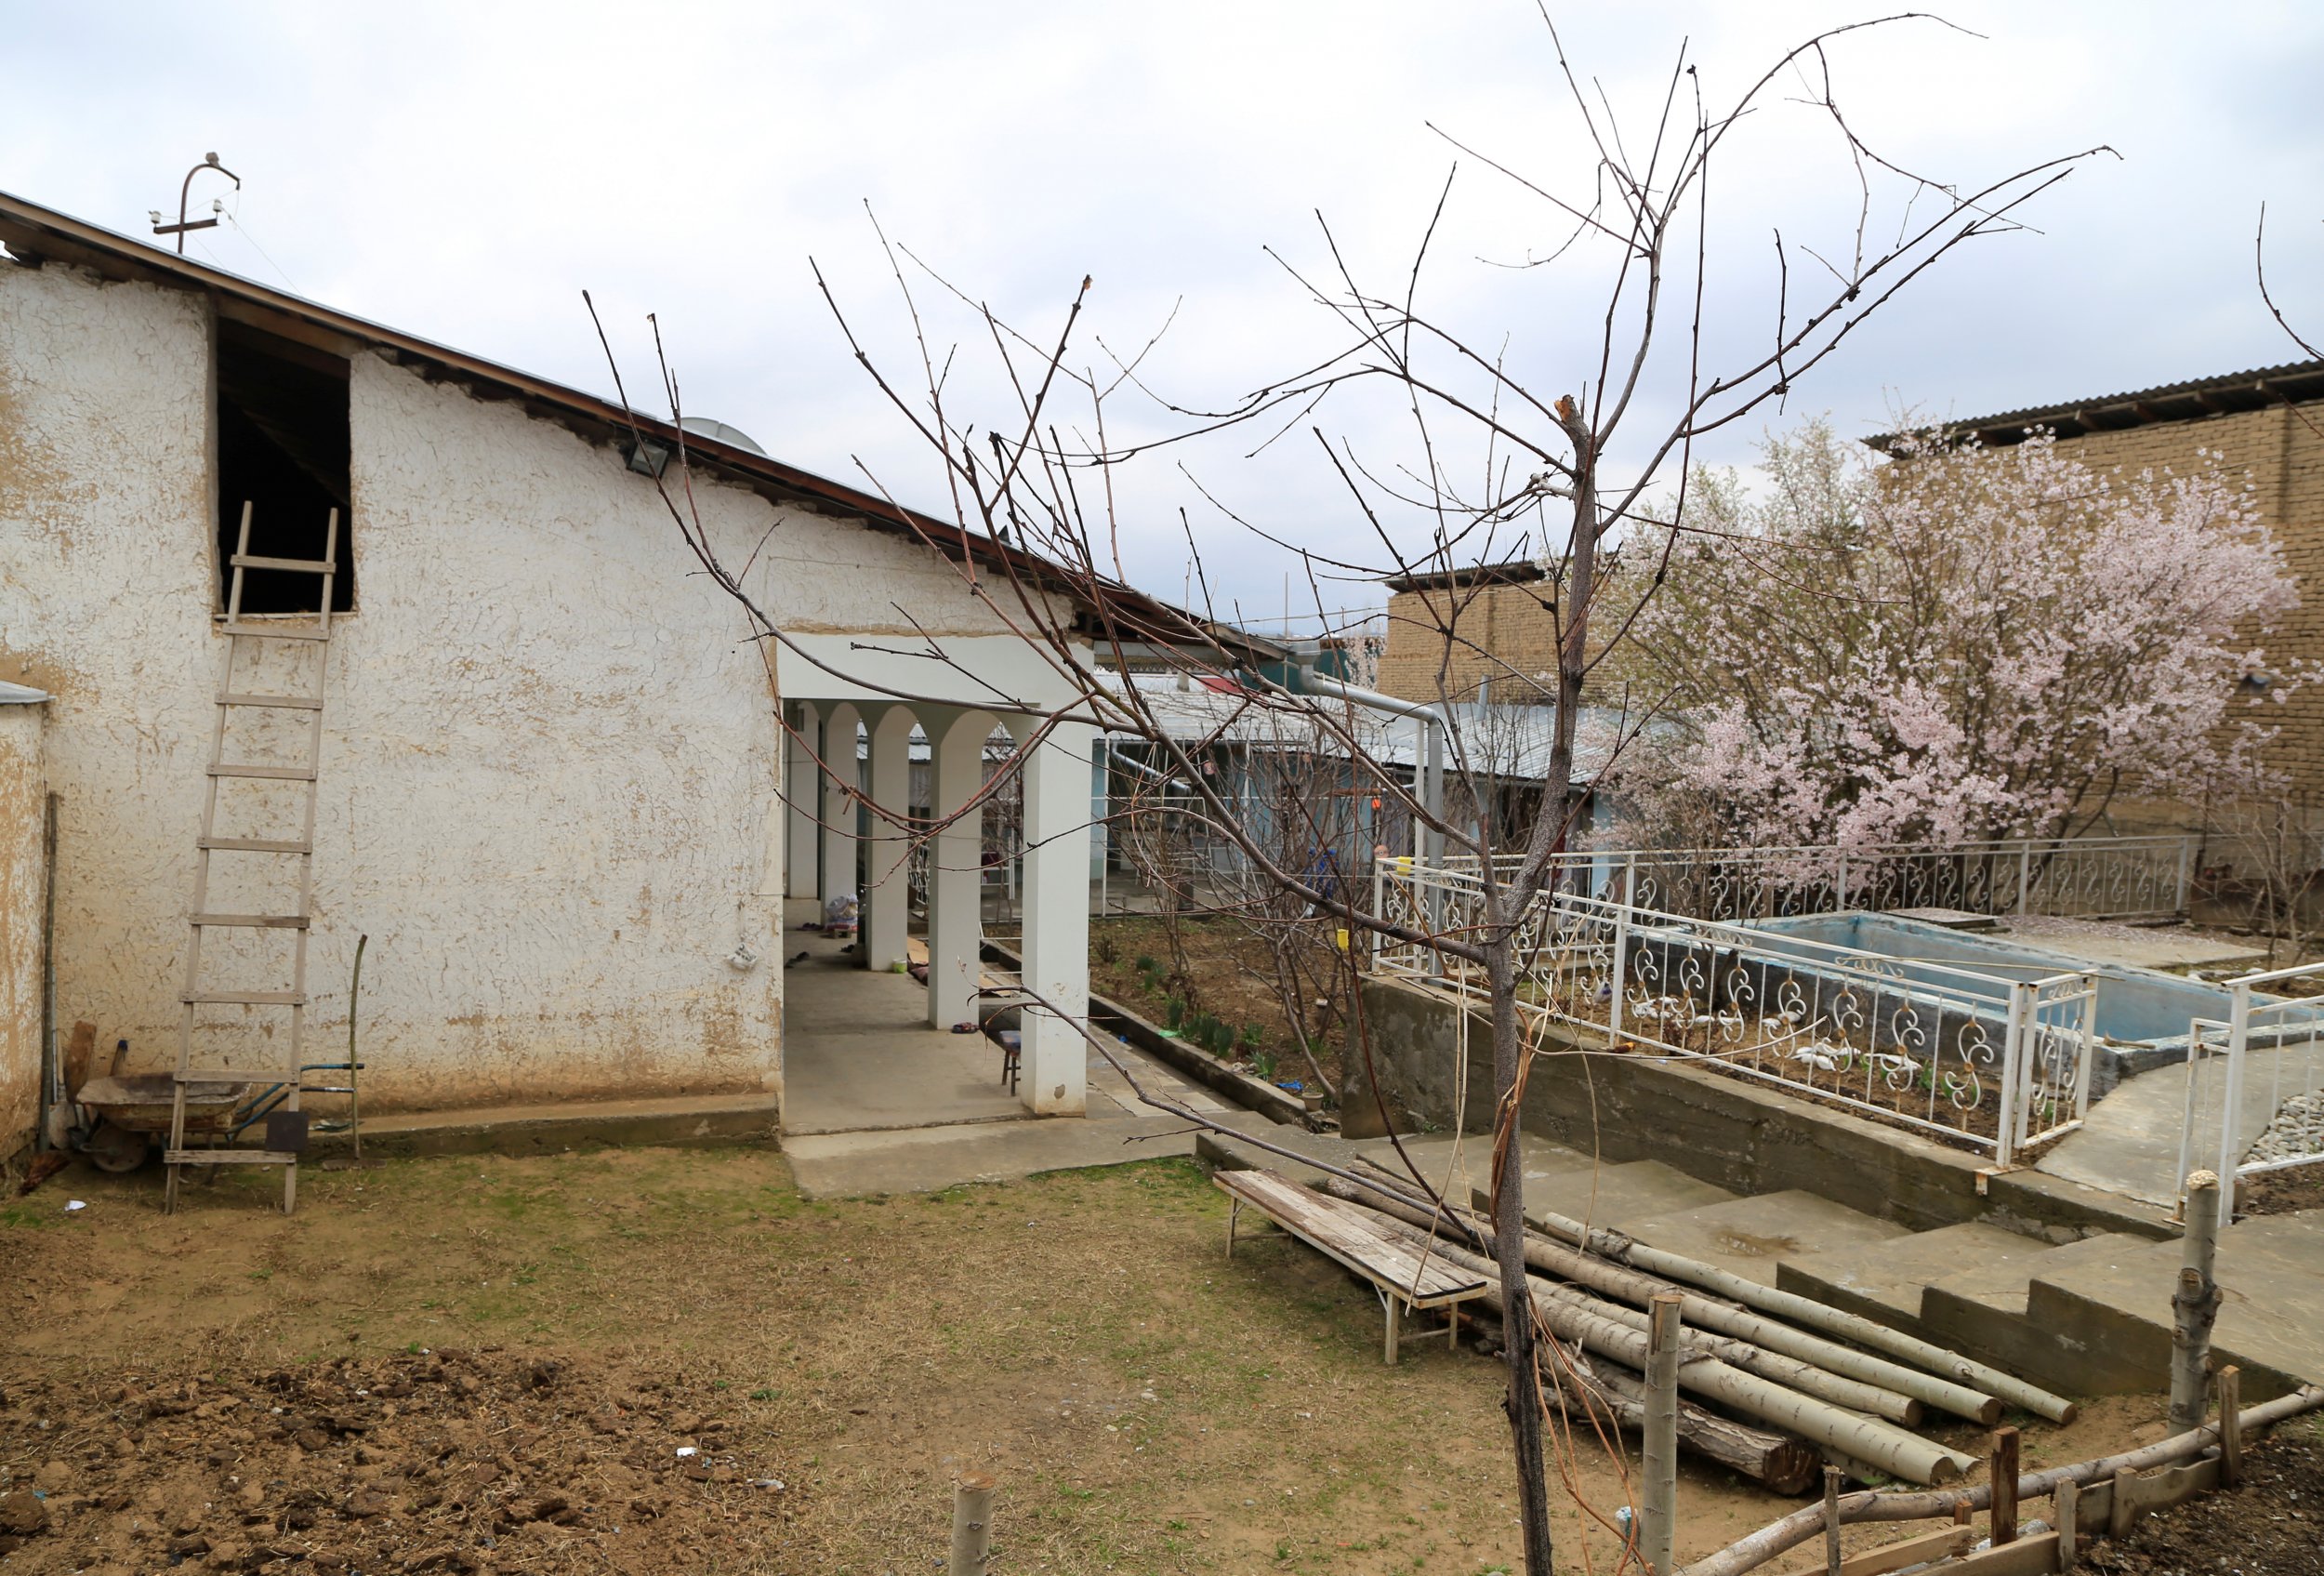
column 1742, row 1136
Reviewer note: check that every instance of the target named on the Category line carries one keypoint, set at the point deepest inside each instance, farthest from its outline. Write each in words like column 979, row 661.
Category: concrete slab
column 1618, row 1196
column 1885, row 1280
column 929, row 1159
column 858, row 1055
column 1462, row 1168
column 2143, row 947
column 2000, row 1271
column 518, row 1129
column 2130, row 1142
column 1750, row 1237
column 2271, row 1274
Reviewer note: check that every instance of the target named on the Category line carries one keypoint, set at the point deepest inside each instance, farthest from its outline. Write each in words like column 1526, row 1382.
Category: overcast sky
column 464, row 171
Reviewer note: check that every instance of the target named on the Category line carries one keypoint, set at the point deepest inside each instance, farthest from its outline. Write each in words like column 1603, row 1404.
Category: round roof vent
column 703, row 426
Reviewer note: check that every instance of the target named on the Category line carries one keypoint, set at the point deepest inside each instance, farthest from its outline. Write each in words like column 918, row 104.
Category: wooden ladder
column 285, row 1137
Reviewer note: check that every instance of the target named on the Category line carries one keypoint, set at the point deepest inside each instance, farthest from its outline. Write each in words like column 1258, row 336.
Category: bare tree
column 1493, row 464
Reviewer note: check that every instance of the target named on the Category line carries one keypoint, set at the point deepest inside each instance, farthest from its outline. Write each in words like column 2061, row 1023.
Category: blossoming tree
column 1966, row 643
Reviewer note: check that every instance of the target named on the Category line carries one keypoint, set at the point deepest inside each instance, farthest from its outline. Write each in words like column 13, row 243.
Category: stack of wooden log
column 1795, row 1382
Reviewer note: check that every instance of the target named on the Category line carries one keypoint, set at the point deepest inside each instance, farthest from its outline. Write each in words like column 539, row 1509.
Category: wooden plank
column 1341, row 1234
column 261, row 921
column 295, row 566
column 252, row 846
column 1947, row 1543
column 2137, row 1495
column 273, row 774
column 229, row 1158
column 261, row 631
column 2230, row 1383
column 281, row 702
column 2037, row 1555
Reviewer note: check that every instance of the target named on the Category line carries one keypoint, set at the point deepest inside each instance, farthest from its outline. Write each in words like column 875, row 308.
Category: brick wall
column 2282, row 455
column 1498, row 632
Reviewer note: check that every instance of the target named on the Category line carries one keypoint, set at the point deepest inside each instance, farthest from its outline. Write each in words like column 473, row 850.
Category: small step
column 295, row 566
column 275, row 774
column 247, row 997
column 284, row 702
column 263, row 921
column 2000, row 1281
column 229, row 1158
column 264, row 632
column 1752, row 1236
column 253, row 845
column 1619, row 1196
column 1885, row 1280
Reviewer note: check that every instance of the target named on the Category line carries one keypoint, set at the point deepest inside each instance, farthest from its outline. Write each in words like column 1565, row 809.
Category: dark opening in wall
column 282, row 449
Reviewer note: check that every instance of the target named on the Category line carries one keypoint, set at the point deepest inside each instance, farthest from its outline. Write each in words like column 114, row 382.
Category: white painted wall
column 549, row 755
column 23, row 798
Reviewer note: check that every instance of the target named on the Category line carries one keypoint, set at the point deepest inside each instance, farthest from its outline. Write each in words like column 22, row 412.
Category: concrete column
column 1057, row 916
column 886, row 890
column 839, row 775
column 956, row 875
column 803, row 862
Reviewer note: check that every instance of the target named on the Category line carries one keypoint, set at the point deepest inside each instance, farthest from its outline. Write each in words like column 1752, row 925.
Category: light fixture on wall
column 645, row 458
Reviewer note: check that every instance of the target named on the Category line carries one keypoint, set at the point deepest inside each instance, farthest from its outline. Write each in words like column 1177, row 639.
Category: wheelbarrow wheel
column 116, row 1149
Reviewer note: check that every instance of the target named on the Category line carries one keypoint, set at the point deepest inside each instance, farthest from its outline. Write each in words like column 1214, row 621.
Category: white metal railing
column 2082, row 877
column 2289, row 1032
column 1995, row 1064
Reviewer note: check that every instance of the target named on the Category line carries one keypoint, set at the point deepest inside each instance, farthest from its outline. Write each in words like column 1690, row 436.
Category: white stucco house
column 552, row 788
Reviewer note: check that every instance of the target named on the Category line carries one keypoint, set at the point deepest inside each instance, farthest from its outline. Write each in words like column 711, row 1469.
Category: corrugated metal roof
column 2198, row 397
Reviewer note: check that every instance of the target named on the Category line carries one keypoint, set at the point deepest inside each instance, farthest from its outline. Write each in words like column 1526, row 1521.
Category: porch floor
column 858, row 1054
column 876, row 1102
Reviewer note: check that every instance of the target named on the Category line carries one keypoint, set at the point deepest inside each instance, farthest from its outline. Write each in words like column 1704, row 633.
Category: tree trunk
column 1524, row 1399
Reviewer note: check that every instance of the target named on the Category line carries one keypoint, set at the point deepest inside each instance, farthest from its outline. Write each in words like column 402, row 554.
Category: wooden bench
column 1406, row 1276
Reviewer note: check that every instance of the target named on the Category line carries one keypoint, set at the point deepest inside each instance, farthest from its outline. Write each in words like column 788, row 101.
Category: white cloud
column 463, row 171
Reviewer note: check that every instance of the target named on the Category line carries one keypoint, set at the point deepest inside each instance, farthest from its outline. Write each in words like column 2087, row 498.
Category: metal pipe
column 1427, row 762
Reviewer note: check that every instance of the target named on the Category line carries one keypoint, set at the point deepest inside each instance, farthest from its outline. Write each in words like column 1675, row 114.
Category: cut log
column 1901, row 1385
column 1860, row 1439
column 1779, row 1537
column 1818, row 1316
column 1784, row 1463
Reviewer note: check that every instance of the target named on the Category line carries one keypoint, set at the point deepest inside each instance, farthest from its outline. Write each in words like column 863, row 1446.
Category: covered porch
column 881, row 1052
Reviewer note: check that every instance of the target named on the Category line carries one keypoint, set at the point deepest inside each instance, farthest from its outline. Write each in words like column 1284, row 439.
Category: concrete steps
column 2085, row 1317
column 1756, row 1236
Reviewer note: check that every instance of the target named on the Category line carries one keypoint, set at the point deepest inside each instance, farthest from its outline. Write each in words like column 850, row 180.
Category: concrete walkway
column 876, row 1102
column 858, row 1053
column 2130, row 1142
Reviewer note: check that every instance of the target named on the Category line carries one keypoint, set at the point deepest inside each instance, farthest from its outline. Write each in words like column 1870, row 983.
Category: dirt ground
column 485, row 1364
column 1227, row 973
column 2270, row 1525
column 2283, row 1192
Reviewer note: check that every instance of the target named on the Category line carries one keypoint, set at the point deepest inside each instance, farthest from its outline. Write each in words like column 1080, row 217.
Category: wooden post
column 1659, row 1512
column 2195, row 1305
column 1233, row 1212
column 2002, row 1464
column 2230, row 1426
column 2122, row 1508
column 971, row 1523
column 2066, row 1508
column 1394, row 1309
column 1831, row 1520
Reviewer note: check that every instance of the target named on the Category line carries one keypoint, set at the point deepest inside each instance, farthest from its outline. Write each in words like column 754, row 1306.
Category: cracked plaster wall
column 548, row 759
column 23, row 799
